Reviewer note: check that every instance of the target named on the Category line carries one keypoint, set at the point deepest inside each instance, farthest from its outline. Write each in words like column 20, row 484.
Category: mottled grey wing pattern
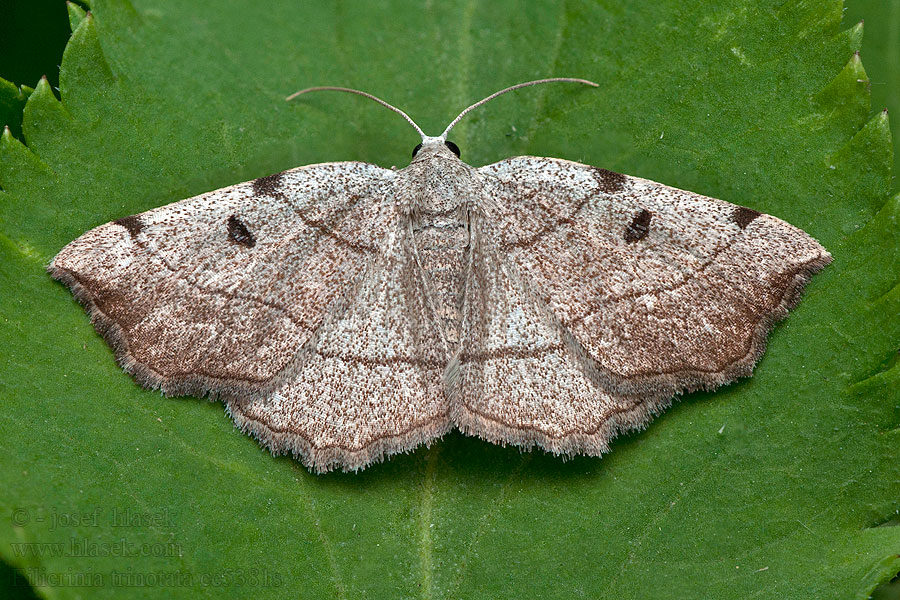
column 661, row 290
column 219, row 292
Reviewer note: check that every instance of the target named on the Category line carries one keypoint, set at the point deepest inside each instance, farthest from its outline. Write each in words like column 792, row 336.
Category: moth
column 345, row 312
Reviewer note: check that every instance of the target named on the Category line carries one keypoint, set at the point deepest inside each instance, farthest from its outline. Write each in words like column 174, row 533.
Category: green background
column 782, row 485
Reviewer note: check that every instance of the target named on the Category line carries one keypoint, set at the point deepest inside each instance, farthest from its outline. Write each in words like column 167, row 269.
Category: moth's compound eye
column 453, row 147
column 416, row 149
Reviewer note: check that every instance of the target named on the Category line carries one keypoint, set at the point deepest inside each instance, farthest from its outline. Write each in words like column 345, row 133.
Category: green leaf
column 76, row 14
column 12, row 103
column 881, row 49
column 784, row 485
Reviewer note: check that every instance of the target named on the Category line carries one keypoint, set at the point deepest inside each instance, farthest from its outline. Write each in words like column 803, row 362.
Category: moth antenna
column 510, row 89
column 367, row 95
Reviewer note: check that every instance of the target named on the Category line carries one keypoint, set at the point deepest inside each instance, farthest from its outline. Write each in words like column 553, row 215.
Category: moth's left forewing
column 665, row 290
column 217, row 293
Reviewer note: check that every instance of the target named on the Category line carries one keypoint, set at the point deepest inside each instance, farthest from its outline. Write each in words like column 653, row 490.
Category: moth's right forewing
column 664, row 289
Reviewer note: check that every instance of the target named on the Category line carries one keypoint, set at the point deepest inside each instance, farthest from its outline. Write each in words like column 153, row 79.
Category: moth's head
column 432, row 147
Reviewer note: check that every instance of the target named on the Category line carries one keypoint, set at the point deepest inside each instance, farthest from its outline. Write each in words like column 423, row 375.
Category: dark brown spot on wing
column 238, row 232
column 639, row 227
column 609, row 181
column 132, row 223
column 743, row 216
column 268, row 185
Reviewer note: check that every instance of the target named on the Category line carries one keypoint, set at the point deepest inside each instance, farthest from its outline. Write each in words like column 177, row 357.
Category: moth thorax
column 438, row 185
